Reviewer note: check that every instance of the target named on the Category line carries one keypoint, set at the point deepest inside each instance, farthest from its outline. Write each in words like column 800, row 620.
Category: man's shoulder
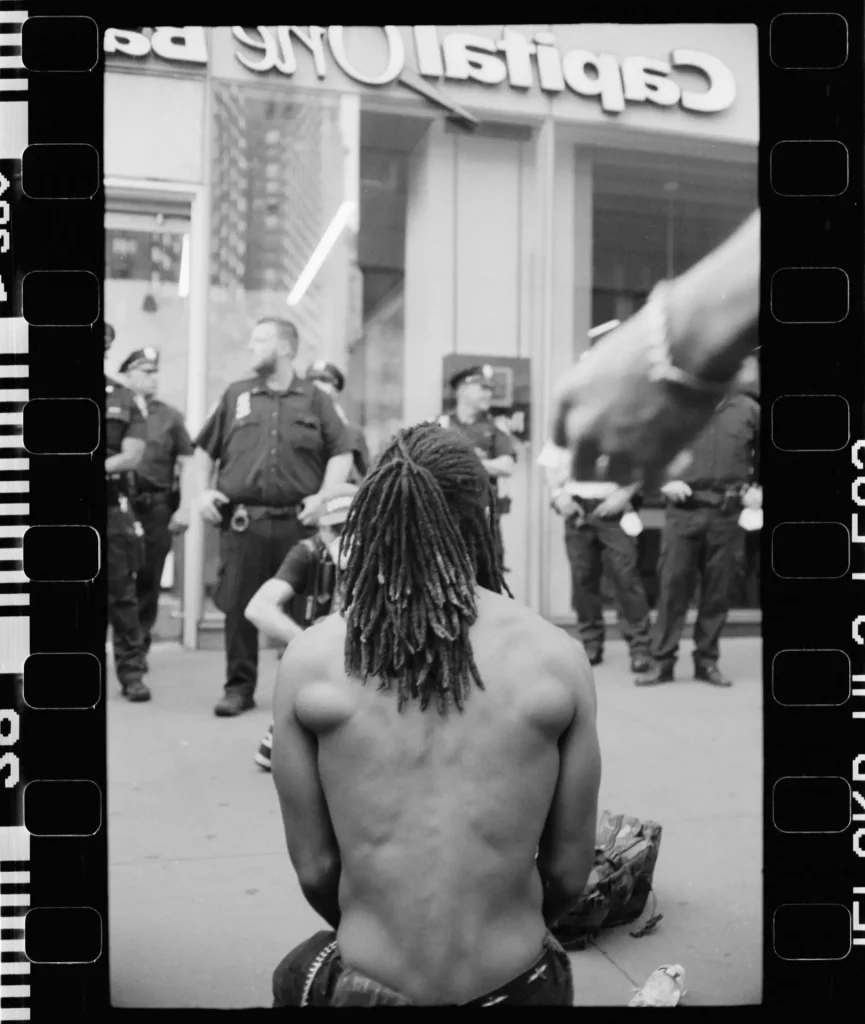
column 523, row 627
column 236, row 387
column 318, row 651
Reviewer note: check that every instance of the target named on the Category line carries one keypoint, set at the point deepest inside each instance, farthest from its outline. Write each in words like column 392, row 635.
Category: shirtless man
column 436, row 758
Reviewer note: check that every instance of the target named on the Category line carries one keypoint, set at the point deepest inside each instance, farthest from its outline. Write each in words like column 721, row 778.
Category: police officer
column 596, row 514
column 473, row 389
column 125, row 435
column 332, row 381
column 276, row 442
column 702, row 537
column 159, row 500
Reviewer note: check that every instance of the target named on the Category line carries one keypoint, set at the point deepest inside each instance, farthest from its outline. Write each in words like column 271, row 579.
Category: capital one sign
column 459, row 58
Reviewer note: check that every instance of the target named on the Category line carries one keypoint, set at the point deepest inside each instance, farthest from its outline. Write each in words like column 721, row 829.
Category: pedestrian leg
column 620, row 560
column 244, row 569
column 724, row 539
column 154, row 520
column 123, row 559
column 681, row 544
column 584, row 555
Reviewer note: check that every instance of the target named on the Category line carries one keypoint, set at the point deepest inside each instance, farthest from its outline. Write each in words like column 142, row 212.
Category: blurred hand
column 753, row 497
column 677, row 491
column 565, row 505
column 310, row 508
column 609, row 403
column 209, row 506
column 615, row 505
column 179, row 522
column 641, row 424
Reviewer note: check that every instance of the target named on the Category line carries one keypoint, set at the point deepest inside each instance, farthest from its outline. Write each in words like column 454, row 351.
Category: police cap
column 474, row 375
column 140, row 357
column 328, row 373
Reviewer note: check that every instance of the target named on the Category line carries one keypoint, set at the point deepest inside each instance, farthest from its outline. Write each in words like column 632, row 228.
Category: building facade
column 415, row 195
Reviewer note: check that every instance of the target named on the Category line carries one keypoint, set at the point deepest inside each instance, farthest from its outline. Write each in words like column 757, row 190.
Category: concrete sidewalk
column 204, row 902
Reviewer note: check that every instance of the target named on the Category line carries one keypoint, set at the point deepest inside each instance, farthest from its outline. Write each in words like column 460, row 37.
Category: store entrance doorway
column 149, row 243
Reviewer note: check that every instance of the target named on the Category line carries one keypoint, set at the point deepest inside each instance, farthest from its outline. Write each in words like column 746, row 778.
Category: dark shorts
column 314, row 975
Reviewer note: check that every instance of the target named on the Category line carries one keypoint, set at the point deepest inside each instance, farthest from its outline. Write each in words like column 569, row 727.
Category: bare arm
column 130, row 455
column 265, row 611
column 338, row 469
column 309, row 833
column 567, row 845
column 712, row 306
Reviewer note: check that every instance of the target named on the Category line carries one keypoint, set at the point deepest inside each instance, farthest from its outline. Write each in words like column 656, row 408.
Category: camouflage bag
column 620, row 882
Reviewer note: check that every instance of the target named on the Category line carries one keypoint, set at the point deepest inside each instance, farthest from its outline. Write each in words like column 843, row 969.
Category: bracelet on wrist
column 661, row 366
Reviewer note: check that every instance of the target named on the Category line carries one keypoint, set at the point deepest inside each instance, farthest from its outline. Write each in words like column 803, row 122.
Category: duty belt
column 238, row 515
column 725, row 498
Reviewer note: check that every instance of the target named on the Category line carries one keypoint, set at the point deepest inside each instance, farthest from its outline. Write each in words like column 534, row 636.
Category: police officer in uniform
column 125, row 436
column 473, row 389
column 158, row 502
column 332, row 381
column 702, row 537
column 276, row 443
column 598, row 538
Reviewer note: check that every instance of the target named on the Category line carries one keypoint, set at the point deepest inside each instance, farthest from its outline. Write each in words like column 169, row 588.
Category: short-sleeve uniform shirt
column 167, row 441
column 483, row 433
column 272, row 447
column 122, row 417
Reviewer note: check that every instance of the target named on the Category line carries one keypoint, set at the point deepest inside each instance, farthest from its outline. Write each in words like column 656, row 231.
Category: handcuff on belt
column 239, row 521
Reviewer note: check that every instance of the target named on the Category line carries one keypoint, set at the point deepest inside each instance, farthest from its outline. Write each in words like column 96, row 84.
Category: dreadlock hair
column 420, row 538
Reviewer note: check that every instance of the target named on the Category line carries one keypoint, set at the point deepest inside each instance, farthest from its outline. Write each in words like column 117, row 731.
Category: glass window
column 653, row 217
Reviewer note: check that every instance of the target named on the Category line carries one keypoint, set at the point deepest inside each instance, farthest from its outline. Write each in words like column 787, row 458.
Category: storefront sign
column 461, row 57
column 186, row 45
column 408, row 56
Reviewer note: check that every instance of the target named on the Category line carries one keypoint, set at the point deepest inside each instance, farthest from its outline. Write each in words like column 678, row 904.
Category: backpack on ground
column 620, row 882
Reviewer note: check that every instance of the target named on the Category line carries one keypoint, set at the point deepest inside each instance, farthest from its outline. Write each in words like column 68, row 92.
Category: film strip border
column 52, row 502
column 14, row 517
column 813, row 349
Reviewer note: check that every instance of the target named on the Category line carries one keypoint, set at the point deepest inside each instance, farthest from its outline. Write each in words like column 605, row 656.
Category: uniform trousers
column 154, row 514
column 593, row 545
column 248, row 560
column 124, row 559
column 697, row 544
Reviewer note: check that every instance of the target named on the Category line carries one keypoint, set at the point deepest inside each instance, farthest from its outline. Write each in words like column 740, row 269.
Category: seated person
column 306, row 582
column 435, row 753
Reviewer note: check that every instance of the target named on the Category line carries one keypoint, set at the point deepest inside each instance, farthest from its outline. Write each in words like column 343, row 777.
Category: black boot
column 660, row 672
column 595, row 657
column 708, row 672
column 136, row 691
column 233, row 704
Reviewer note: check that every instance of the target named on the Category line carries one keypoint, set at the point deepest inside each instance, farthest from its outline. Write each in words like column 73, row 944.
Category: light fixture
column 321, row 251
column 610, row 325
column 183, row 279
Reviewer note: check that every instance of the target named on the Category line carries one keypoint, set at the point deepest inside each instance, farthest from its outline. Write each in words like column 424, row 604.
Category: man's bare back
column 438, row 819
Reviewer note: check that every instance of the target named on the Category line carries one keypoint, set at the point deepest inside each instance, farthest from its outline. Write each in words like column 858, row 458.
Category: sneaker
column 262, row 758
column 233, row 704
column 136, row 691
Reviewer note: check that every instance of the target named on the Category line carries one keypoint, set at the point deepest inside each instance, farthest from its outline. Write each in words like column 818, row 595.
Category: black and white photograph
column 432, row 373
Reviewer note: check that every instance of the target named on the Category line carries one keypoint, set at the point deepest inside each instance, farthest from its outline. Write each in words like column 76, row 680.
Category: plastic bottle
column 665, row 987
